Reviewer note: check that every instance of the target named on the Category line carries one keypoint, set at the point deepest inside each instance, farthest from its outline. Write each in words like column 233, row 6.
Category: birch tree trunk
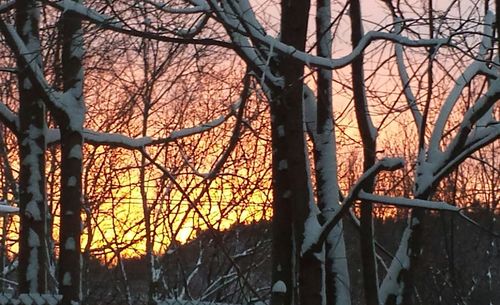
column 32, row 200
column 71, row 125
column 336, row 271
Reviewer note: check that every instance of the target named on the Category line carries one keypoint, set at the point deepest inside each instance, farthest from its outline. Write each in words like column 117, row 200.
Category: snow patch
column 75, row 152
column 33, row 239
column 70, row 244
column 73, row 108
column 312, row 232
column 67, row 279
column 72, row 181
column 281, row 131
column 8, row 209
column 391, row 285
column 33, row 211
column 283, row 164
column 27, row 84
column 32, row 162
column 32, row 270
column 176, row 134
column 279, row 287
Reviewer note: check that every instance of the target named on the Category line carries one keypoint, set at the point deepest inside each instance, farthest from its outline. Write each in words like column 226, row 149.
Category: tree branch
column 386, row 164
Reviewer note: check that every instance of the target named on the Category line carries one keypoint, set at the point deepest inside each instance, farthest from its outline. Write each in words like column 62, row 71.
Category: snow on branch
column 478, row 139
column 390, row 285
column 28, row 58
column 367, row 39
column 110, row 23
column 7, row 6
column 469, row 138
column 5, row 208
column 478, row 66
column 181, row 133
column 408, row 203
column 471, row 117
column 252, row 31
column 198, row 7
column 60, row 102
column 194, row 30
column 9, row 118
column 253, row 54
column 120, row 140
column 83, row 11
column 405, row 79
column 315, row 242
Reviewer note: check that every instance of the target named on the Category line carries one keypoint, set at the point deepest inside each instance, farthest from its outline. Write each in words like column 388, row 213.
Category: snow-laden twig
column 318, row 61
column 405, row 79
column 219, row 284
column 192, row 274
column 254, row 55
column 479, row 65
column 110, row 23
column 468, row 139
column 198, row 7
column 476, row 140
column 193, row 30
column 9, row 118
column 8, row 281
column 386, row 164
column 5, row 7
column 111, row 139
column 408, row 203
column 7, row 209
column 10, row 267
column 401, row 261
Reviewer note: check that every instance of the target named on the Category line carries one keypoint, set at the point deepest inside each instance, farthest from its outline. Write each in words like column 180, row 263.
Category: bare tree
column 32, row 202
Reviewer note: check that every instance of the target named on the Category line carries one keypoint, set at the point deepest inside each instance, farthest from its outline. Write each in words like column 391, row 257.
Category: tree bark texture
column 70, row 124
column 336, row 272
column 32, row 200
column 290, row 170
column 368, row 138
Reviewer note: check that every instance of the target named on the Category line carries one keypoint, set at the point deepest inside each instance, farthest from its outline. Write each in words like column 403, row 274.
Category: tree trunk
column 368, row 138
column 71, row 125
column 291, row 191
column 336, row 272
column 32, row 200
column 150, row 256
